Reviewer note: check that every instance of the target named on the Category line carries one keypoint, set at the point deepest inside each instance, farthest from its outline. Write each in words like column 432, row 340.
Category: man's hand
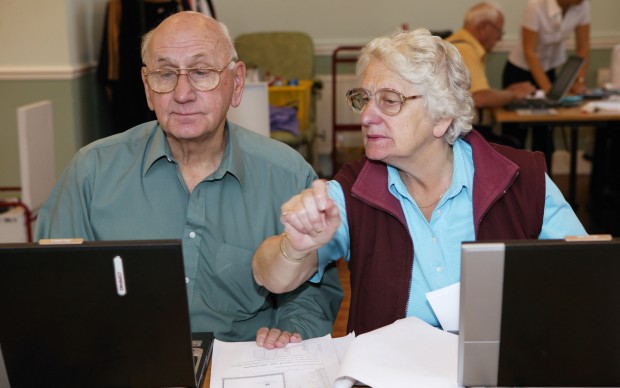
column 579, row 87
column 275, row 338
column 522, row 89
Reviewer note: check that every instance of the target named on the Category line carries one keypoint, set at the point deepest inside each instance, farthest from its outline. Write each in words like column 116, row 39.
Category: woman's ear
column 441, row 127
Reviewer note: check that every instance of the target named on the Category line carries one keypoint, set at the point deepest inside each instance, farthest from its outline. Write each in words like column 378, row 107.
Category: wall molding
column 602, row 42
column 45, row 73
column 325, row 48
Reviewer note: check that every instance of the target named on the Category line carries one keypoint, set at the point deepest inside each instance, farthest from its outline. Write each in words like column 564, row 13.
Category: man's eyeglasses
column 389, row 101
column 497, row 29
column 201, row 78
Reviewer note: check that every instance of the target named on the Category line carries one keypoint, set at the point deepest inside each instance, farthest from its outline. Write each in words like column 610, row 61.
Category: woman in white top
column 545, row 26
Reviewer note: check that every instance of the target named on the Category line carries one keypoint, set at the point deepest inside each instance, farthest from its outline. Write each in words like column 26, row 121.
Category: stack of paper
column 604, row 106
column 408, row 353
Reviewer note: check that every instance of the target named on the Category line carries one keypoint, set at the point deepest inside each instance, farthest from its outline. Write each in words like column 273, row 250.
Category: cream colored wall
column 339, row 22
column 49, row 35
column 26, row 30
column 40, row 33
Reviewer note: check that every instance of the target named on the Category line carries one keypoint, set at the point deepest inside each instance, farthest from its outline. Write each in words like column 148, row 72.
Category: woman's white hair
column 435, row 67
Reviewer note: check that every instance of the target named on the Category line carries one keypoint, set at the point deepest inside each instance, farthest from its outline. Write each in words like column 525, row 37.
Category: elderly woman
column 427, row 183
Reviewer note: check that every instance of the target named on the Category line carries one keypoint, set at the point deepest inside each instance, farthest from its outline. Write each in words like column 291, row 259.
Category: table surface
column 572, row 114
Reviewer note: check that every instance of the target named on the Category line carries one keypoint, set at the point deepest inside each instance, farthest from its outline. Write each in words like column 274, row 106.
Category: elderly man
column 483, row 27
column 192, row 175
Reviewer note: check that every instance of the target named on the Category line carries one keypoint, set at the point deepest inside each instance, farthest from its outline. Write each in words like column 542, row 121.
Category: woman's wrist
column 283, row 250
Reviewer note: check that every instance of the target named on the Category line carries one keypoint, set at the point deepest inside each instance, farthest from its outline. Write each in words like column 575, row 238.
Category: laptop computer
column 97, row 314
column 558, row 91
column 540, row 313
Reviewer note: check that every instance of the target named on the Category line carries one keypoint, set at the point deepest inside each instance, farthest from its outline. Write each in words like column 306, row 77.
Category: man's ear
column 147, row 89
column 239, row 81
column 441, row 127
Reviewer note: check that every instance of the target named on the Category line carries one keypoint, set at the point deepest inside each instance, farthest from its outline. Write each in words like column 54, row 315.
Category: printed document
column 408, row 352
column 312, row 363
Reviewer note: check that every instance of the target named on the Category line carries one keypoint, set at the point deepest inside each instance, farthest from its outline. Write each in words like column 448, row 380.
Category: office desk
column 571, row 117
column 207, row 382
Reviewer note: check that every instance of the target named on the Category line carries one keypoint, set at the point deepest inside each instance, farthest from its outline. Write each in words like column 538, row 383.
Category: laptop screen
column 95, row 314
column 540, row 313
column 565, row 78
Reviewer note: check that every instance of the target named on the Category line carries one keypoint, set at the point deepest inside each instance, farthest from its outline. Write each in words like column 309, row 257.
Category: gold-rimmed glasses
column 201, row 78
column 389, row 101
column 496, row 28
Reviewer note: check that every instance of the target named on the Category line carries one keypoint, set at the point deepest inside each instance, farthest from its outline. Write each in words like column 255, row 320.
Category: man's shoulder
column 466, row 43
column 461, row 36
column 138, row 134
column 266, row 151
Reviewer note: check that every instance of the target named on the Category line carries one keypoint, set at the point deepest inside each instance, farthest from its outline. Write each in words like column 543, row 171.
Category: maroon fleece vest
column 508, row 203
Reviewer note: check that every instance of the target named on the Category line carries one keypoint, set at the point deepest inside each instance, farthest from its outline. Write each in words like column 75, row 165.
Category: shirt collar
column 232, row 161
column 553, row 9
column 463, row 175
column 466, row 37
column 157, row 148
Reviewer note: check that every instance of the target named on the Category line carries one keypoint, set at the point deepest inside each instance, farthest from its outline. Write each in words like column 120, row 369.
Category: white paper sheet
column 407, row 353
column 445, row 304
column 601, row 106
column 312, row 363
column 537, row 112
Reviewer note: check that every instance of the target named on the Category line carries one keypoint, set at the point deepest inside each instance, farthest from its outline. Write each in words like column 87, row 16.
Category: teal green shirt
column 128, row 186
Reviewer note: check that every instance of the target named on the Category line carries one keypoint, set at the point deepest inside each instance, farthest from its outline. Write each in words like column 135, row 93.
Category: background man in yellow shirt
column 482, row 28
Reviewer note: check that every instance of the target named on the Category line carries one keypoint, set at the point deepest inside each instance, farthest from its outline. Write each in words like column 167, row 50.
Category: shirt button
column 438, row 212
column 192, row 234
column 439, row 268
column 434, row 239
column 187, row 280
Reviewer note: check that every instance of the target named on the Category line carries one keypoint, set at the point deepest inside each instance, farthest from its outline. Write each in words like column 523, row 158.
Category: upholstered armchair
column 289, row 55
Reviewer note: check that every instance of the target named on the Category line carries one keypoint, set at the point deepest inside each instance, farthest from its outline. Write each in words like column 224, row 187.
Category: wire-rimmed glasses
column 202, row 78
column 496, row 28
column 389, row 101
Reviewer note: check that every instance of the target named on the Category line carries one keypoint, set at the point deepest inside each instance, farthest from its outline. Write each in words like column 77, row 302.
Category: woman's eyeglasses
column 389, row 101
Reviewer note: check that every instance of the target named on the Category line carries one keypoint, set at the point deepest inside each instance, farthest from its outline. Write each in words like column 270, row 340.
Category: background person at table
column 426, row 184
column 545, row 26
column 190, row 175
column 483, row 27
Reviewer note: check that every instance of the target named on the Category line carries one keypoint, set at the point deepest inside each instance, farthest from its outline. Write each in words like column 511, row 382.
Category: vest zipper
column 404, row 312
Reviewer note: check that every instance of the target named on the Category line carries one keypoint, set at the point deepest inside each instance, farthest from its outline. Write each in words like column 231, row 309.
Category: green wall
column 78, row 113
